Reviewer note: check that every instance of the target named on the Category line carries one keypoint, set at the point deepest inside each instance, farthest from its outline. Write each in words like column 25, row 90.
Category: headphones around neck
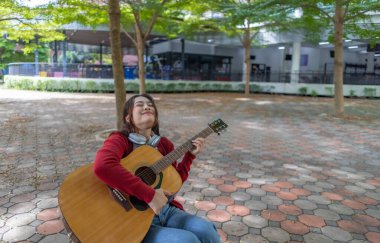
column 139, row 140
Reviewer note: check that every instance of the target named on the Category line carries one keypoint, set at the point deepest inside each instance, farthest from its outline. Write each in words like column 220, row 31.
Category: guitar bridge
column 120, row 198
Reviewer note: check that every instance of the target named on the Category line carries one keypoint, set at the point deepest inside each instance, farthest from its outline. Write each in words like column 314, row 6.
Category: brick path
column 286, row 169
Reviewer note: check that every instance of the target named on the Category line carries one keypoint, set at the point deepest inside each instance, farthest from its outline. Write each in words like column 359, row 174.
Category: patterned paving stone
column 18, row 234
column 57, row 238
column 199, row 184
column 326, row 214
column 310, row 151
column 235, row 228
column 242, row 184
column 373, row 236
column 355, row 189
column 20, row 219
column 21, row 207
column 354, row 204
column 273, row 215
column 319, row 199
column 257, row 181
column 312, row 220
column 316, row 238
column 253, row 238
column 365, row 185
column 341, row 209
column 218, row 215
column 373, row 195
column 270, row 188
column 223, row 200
column 373, row 212
column 205, row 205
column 366, row 220
column 215, row 181
column 275, row 234
column 255, row 221
column 238, row 210
column 300, row 191
column 50, row 227
column 210, row 192
column 256, row 192
column 294, row 227
column 313, row 188
column 255, row 205
column 283, row 184
column 290, row 209
column 227, row 188
column 48, row 203
column 49, row 214
column 324, row 185
column 304, row 204
column 286, row 195
column 336, row 233
column 243, row 175
column 332, row 196
column 240, row 196
column 23, row 197
column 352, row 226
column 230, row 178
column 366, row 200
column 271, row 200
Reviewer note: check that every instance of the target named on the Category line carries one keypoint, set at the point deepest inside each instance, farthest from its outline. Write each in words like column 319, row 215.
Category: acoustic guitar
column 93, row 212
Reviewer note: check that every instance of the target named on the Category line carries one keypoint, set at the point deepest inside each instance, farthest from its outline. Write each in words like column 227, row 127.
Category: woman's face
column 143, row 114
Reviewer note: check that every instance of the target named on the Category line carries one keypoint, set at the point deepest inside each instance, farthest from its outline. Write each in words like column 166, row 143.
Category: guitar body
column 93, row 215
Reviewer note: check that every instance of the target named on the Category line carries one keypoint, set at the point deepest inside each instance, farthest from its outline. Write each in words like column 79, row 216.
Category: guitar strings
column 162, row 163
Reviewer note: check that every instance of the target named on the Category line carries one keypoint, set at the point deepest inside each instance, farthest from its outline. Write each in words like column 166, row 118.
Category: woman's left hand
column 198, row 144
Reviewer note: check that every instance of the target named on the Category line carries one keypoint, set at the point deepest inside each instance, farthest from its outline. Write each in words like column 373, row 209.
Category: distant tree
column 340, row 19
column 138, row 20
column 9, row 52
column 23, row 24
column 245, row 19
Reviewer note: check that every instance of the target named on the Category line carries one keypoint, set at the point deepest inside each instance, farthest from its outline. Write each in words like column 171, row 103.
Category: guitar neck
column 166, row 161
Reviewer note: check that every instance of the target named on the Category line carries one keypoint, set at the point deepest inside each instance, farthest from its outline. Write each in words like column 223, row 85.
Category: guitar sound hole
column 146, row 174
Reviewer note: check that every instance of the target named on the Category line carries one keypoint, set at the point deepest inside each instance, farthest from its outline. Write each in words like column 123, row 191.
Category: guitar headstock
column 218, row 126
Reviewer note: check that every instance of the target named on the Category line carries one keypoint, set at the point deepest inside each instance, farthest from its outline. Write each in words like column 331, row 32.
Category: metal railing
column 105, row 72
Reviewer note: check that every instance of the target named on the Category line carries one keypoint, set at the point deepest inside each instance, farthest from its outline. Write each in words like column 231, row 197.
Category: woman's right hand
column 159, row 200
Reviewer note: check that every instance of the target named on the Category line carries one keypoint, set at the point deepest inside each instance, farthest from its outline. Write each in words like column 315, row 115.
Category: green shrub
column 91, row 86
column 181, row 86
column 329, row 90
column 194, row 86
column 352, row 93
column 302, row 90
column 130, row 87
column 314, row 93
column 369, row 92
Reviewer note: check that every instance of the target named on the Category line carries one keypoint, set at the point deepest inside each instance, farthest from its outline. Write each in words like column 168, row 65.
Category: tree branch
column 312, row 6
column 129, row 36
column 153, row 20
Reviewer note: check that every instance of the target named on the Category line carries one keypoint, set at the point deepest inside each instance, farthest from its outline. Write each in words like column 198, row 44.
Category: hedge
column 107, row 85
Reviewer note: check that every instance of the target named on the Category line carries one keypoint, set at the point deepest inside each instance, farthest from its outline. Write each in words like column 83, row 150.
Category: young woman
column 171, row 223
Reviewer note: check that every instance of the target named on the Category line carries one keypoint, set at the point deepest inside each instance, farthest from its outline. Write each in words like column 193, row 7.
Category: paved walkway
column 286, row 169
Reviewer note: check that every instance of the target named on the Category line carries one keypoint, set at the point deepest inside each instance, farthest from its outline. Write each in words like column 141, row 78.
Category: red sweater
column 107, row 167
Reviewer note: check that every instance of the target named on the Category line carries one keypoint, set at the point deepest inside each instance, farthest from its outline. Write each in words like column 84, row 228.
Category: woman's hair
column 130, row 127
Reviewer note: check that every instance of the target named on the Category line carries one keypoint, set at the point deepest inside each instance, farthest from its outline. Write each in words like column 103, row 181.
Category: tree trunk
column 338, row 59
column 140, row 57
column 117, row 62
column 247, row 60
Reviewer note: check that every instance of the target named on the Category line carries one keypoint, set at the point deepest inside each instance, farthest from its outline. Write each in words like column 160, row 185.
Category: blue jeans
column 175, row 225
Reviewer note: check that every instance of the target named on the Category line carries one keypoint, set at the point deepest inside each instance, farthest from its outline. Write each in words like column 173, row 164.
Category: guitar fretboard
column 166, row 161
